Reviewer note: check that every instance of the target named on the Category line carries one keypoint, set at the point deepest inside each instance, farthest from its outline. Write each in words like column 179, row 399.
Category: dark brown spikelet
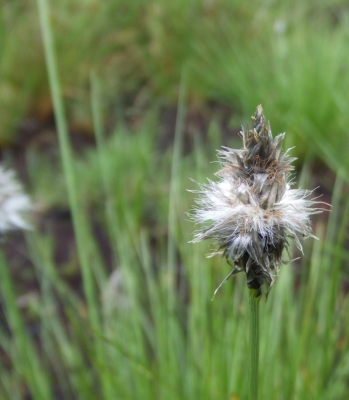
column 267, row 167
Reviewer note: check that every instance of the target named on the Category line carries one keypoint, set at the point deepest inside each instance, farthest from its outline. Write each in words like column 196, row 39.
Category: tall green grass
column 148, row 347
column 297, row 74
column 290, row 56
column 147, row 328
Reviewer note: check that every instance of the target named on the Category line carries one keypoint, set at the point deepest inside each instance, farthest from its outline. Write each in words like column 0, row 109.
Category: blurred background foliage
column 151, row 89
column 289, row 56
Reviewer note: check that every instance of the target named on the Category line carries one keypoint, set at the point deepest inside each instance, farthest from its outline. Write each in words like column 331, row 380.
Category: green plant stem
column 67, row 160
column 254, row 295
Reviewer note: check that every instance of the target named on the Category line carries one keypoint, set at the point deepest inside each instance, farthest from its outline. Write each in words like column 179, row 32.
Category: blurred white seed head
column 14, row 203
column 251, row 211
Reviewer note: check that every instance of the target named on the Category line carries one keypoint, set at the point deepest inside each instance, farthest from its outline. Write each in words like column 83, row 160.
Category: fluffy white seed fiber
column 251, row 211
column 14, row 203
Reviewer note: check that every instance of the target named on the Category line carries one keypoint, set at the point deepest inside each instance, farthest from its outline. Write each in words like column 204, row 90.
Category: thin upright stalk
column 254, row 295
column 67, row 160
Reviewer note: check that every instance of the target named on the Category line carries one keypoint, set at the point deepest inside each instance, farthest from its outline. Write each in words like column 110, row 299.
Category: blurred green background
column 105, row 298
column 289, row 56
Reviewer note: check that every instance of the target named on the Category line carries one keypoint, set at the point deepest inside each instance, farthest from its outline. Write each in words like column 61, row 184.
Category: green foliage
column 146, row 328
column 295, row 68
column 290, row 56
column 160, row 335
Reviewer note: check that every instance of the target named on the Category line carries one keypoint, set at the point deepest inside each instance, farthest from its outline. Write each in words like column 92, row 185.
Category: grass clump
column 288, row 56
column 142, row 324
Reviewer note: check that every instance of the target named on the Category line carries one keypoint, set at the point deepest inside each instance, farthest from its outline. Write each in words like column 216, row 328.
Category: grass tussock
column 141, row 323
column 289, row 56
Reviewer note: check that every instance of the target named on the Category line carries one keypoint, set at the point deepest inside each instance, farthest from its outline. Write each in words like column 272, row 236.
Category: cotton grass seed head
column 14, row 203
column 251, row 211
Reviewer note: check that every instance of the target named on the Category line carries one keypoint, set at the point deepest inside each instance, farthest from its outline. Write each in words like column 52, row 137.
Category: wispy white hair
column 251, row 211
column 14, row 203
